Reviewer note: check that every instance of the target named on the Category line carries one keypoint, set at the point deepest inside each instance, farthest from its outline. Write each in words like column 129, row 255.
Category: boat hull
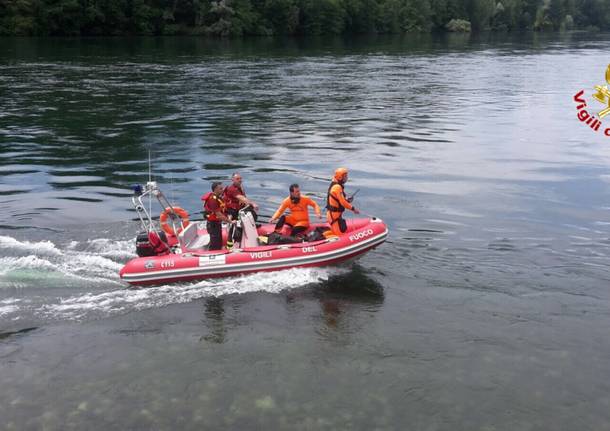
column 362, row 236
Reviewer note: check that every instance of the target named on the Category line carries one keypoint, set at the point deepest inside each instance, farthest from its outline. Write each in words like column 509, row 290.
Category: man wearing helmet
column 337, row 202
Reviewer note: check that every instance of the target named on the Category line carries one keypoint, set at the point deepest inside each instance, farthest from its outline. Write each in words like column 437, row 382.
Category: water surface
column 486, row 309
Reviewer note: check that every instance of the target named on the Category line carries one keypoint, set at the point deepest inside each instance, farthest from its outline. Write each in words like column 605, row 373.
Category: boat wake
column 79, row 281
column 44, row 264
column 124, row 300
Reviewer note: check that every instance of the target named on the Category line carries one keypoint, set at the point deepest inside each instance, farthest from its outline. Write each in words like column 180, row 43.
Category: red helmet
column 340, row 174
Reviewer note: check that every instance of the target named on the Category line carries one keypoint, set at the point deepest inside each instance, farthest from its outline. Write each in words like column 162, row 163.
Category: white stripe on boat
column 237, row 267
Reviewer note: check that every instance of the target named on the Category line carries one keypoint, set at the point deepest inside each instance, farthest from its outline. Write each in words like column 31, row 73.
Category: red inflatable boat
column 183, row 257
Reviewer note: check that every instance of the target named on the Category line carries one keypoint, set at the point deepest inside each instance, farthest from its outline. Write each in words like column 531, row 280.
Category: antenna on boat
column 149, row 180
column 149, row 167
column 171, row 189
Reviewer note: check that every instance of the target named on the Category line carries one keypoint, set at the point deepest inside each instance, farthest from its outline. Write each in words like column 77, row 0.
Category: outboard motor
column 151, row 244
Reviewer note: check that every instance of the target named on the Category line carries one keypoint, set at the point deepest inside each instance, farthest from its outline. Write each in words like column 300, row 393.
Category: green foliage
column 501, row 19
column 480, row 13
column 459, row 25
column 321, row 17
column 17, row 17
column 283, row 16
column 362, row 16
column 224, row 18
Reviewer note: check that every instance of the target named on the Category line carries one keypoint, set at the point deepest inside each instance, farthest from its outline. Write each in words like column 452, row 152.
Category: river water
column 487, row 308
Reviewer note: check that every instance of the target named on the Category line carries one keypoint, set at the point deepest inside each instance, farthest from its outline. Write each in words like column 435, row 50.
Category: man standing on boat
column 215, row 215
column 235, row 199
column 299, row 216
column 337, row 202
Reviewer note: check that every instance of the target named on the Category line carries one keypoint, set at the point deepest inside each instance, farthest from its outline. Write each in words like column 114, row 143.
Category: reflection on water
column 214, row 316
column 341, row 299
column 340, row 294
column 9, row 334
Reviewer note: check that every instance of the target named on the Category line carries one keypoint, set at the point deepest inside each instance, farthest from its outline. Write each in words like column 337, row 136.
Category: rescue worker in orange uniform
column 337, row 202
column 298, row 218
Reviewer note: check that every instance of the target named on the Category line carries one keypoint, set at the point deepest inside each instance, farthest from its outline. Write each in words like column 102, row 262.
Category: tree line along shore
column 294, row 17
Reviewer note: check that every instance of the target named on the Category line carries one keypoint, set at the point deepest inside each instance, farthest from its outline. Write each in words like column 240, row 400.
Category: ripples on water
column 495, row 195
column 53, row 277
column 477, row 143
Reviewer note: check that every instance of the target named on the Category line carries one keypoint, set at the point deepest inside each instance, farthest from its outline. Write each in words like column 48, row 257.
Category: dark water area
column 487, row 308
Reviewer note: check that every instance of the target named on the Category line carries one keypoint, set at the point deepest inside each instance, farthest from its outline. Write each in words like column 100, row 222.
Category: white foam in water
column 40, row 248
column 21, row 269
column 9, row 301
column 50, row 266
column 8, row 309
column 110, row 248
column 120, row 301
column 8, row 264
column 94, row 265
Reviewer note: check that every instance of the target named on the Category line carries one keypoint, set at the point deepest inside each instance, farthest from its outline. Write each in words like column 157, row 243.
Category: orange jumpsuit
column 337, row 199
column 299, row 217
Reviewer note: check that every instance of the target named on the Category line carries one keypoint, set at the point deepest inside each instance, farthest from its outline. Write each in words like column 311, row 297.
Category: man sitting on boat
column 298, row 219
column 337, row 202
column 215, row 214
